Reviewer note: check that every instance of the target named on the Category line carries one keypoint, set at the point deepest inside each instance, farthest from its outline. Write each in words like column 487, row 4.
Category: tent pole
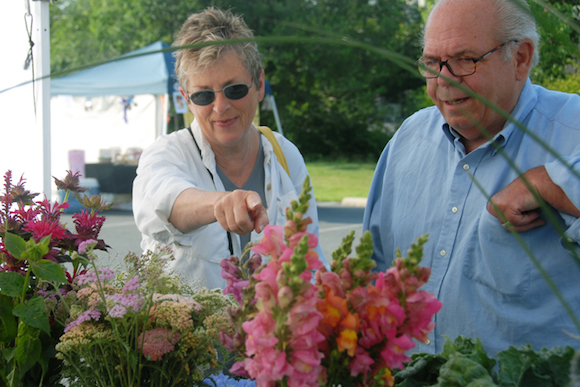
column 42, row 74
column 165, row 110
column 276, row 116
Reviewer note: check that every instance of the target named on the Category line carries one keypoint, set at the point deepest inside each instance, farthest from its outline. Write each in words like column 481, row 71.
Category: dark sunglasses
column 235, row 91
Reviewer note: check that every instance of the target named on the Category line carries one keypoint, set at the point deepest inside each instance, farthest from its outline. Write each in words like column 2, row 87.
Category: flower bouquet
column 35, row 289
column 140, row 327
column 348, row 326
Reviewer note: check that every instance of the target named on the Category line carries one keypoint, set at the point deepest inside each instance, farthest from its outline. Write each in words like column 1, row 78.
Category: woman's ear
column 183, row 93
column 187, row 101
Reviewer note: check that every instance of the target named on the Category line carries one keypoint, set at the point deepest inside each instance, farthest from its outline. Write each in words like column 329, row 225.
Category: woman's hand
column 241, row 212
column 238, row 211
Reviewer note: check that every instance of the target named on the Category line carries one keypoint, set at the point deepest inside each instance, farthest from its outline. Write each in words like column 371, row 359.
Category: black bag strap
column 230, row 242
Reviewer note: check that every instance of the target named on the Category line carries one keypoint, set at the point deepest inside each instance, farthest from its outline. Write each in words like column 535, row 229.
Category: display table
column 113, row 178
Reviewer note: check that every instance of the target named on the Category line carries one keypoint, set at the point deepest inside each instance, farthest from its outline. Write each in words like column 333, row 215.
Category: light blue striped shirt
column 489, row 286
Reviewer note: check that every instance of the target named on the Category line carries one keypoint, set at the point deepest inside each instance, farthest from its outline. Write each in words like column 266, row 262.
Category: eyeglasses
column 460, row 66
column 234, row 92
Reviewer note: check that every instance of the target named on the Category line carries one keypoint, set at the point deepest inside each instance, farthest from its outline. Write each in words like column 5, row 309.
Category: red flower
column 87, row 225
column 41, row 228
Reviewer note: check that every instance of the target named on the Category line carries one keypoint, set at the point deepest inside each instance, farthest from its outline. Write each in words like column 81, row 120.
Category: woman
column 210, row 189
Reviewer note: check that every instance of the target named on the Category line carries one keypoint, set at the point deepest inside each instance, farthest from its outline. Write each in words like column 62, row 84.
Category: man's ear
column 523, row 59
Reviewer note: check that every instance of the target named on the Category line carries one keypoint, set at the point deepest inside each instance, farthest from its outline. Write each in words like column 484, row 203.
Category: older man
column 438, row 172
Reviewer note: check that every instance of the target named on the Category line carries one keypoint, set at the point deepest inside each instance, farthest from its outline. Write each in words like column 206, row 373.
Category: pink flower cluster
column 157, row 342
column 90, row 276
column 287, row 317
column 90, row 314
column 128, row 301
column 302, row 330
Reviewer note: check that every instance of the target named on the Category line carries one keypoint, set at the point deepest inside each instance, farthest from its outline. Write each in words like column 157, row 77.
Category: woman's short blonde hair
column 214, row 25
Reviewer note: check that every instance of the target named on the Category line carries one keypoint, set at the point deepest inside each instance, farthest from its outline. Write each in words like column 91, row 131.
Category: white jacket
column 173, row 164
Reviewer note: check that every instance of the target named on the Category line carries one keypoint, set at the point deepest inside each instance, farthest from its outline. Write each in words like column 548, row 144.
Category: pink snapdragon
column 303, row 333
column 272, row 243
column 231, row 273
column 394, row 352
column 260, row 333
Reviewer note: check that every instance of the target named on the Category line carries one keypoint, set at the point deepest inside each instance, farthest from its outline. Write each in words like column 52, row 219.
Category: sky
column 21, row 137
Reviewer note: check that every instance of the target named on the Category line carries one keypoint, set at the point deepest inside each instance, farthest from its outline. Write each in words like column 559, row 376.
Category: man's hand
column 241, row 212
column 521, row 208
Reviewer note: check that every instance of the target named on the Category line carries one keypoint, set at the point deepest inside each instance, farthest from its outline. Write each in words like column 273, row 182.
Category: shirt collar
column 526, row 102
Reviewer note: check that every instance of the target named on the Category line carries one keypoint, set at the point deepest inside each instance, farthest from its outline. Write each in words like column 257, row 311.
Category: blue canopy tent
column 147, row 70
column 144, row 71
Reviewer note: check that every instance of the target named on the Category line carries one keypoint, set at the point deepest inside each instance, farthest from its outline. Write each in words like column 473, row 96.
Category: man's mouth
column 456, row 101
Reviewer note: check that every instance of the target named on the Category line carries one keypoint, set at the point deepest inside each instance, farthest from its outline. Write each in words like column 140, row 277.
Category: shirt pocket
column 496, row 259
column 208, row 243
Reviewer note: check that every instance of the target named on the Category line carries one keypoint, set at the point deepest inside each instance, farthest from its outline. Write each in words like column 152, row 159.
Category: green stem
column 25, row 287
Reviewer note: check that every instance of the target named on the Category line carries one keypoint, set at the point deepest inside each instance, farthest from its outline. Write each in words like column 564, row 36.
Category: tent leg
column 276, row 116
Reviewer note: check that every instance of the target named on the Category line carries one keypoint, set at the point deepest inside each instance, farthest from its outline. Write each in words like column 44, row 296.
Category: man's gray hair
column 516, row 22
column 214, row 25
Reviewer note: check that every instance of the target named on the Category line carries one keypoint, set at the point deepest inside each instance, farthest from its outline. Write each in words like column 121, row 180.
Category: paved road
column 119, row 230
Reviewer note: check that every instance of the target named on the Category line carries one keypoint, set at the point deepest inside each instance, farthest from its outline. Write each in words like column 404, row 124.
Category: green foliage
column 464, row 362
column 569, row 84
column 26, row 336
column 559, row 38
column 332, row 99
column 84, row 32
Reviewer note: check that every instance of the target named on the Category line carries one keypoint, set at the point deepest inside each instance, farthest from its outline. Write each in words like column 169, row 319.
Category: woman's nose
column 221, row 103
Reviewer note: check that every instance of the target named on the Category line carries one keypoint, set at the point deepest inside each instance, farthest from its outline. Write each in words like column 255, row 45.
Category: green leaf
column 11, row 283
column 525, row 367
column 461, row 371
column 15, row 244
column 27, row 352
column 35, row 251
column 8, row 324
column 48, row 271
column 559, row 362
column 34, row 314
column 8, row 353
column 423, row 370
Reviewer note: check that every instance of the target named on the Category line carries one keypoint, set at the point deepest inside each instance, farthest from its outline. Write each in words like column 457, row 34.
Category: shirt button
column 443, row 253
column 466, row 167
column 269, row 187
column 454, row 209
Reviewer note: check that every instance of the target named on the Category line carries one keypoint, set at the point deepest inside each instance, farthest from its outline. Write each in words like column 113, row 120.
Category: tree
column 84, row 32
column 558, row 24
